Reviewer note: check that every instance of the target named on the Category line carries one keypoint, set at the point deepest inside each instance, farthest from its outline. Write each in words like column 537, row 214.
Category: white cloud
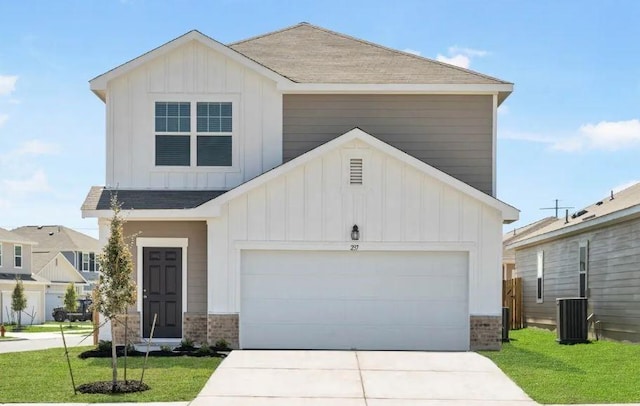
column 457, row 60
column 7, row 84
column 623, row 186
column 36, row 183
column 603, row 136
column 461, row 56
column 3, row 119
column 37, row 147
column 412, row 51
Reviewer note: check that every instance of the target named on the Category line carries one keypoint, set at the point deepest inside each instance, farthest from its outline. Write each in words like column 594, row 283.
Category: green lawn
column 52, row 327
column 599, row 372
column 43, row 376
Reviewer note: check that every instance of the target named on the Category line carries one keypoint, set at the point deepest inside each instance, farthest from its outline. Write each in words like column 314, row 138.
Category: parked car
column 83, row 312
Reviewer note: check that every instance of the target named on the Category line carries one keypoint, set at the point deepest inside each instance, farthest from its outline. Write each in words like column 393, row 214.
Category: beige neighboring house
column 508, row 255
column 62, row 256
column 593, row 253
column 305, row 189
column 16, row 262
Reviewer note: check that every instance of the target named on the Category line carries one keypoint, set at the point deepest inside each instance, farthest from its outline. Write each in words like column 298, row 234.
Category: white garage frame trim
column 142, row 242
column 469, row 248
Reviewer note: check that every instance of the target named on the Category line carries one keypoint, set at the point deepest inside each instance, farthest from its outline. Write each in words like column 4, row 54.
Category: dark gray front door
column 162, row 291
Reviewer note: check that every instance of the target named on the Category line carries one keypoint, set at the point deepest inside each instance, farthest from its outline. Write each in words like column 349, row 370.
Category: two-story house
column 62, row 256
column 16, row 263
column 306, row 189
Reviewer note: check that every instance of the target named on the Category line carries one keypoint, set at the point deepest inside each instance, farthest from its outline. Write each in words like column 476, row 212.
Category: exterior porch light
column 355, row 233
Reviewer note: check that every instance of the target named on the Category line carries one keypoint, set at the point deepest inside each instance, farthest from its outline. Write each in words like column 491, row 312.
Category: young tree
column 18, row 300
column 71, row 299
column 115, row 290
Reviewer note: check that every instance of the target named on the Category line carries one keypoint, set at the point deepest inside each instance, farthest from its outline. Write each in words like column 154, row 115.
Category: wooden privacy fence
column 512, row 298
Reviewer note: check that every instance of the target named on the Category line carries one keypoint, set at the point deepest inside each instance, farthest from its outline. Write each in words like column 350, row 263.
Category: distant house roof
column 99, row 198
column 56, row 238
column 617, row 207
column 14, row 238
column 518, row 233
column 12, row 277
column 306, row 53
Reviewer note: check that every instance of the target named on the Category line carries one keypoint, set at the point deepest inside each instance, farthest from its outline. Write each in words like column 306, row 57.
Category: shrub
column 222, row 345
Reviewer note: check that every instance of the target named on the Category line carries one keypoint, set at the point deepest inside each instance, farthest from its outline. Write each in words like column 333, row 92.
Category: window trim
column 583, row 244
column 0, row 255
column 16, row 256
column 540, row 277
column 84, row 262
column 193, row 99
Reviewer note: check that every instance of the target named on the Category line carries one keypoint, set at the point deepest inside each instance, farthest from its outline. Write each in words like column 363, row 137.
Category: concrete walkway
column 358, row 378
column 41, row 341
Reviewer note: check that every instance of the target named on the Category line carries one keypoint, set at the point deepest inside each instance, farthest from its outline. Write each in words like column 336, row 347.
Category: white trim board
column 142, row 242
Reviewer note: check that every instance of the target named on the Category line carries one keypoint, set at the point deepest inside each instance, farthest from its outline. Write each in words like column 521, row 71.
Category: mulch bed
column 106, row 387
column 97, row 353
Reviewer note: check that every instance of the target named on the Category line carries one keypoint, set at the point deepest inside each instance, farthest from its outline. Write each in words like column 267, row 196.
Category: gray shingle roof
column 305, row 53
column 622, row 200
column 99, row 198
column 10, row 236
column 519, row 233
column 57, row 238
column 12, row 276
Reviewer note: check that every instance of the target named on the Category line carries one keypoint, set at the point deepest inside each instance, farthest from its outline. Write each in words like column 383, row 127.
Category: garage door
column 53, row 300
column 34, row 308
column 354, row 300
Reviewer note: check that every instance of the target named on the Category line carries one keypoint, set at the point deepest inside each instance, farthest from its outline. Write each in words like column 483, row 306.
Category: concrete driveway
column 358, row 378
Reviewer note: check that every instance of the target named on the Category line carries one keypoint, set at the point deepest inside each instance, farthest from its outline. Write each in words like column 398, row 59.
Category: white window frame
column 85, row 262
column 193, row 100
column 583, row 244
column 0, row 255
column 16, row 256
column 540, row 277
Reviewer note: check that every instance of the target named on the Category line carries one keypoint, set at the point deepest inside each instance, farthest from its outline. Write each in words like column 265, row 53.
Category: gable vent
column 355, row 171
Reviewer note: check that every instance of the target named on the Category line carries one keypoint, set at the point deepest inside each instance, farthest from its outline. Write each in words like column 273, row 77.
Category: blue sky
column 570, row 130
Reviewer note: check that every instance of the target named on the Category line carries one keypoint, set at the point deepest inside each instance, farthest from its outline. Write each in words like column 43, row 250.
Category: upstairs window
column 88, row 262
column 85, row 261
column 17, row 256
column 194, row 134
column 173, row 119
column 215, row 129
column 583, row 268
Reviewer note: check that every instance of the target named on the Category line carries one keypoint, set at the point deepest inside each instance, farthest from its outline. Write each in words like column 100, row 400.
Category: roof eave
column 598, row 222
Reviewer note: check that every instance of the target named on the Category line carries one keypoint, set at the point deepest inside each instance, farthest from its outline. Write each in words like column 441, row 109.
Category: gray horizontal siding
column 613, row 279
column 449, row 132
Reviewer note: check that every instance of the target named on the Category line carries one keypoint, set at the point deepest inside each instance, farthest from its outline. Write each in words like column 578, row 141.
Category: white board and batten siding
column 192, row 72
column 313, row 208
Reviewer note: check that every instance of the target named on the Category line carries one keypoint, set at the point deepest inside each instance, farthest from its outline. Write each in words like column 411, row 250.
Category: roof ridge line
column 469, row 71
column 267, row 34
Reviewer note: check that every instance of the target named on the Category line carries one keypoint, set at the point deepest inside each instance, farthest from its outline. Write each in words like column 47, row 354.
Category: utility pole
column 556, row 207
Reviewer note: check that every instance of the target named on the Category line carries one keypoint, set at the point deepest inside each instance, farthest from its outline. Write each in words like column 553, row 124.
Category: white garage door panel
column 364, row 300
column 53, row 299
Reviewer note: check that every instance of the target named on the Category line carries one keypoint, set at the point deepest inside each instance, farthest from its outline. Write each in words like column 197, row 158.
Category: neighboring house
column 62, row 256
column 509, row 270
column 16, row 263
column 594, row 253
column 306, row 189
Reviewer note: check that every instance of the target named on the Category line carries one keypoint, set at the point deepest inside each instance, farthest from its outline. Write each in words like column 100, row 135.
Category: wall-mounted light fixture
column 355, row 233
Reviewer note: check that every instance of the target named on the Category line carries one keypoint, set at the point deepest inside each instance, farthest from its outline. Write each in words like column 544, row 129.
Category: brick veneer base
column 195, row 327
column 225, row 327
column 133, row 333
column 486, row 332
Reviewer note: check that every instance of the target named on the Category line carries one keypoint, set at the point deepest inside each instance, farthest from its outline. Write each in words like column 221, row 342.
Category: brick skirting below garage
column 225, row 327
column 486, row 332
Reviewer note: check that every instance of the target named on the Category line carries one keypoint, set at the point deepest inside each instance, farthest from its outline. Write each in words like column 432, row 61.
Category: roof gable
column 508, row 212
column 99, row 84
column 62, row 272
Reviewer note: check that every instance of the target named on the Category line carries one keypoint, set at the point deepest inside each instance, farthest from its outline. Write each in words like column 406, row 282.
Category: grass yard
column 599, row 372
column 43, row 376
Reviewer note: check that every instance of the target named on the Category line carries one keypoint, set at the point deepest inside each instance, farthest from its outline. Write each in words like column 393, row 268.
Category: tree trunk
column 114, row 356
